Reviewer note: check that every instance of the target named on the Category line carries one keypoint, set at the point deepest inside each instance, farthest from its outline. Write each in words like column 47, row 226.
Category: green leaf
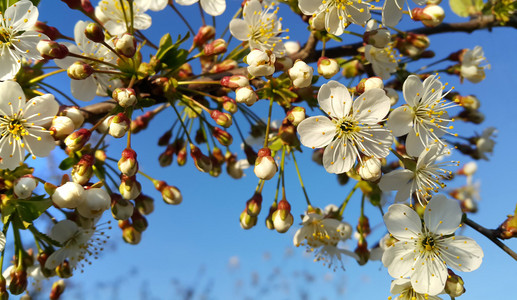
column 465, row 8
column 30, row 210
column 7, row 210
column 67, row 163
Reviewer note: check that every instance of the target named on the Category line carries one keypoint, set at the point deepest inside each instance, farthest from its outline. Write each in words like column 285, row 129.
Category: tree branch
column 491, row 234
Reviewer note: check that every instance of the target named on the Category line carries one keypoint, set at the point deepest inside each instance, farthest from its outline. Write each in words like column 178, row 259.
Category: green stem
column 39, row 78
column 300, row 178
column 282, row 164
column 181, row 122
column 345, row 202
column 266, row 138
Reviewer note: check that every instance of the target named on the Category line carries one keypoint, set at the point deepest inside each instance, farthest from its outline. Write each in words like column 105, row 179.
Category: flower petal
column 372, row 106
column 376, row 142
column 41, row 110
column 84, row 90
column 442, row 215
column 10, row 63
column 399, row 259
column 22, row 15
column 392, row 12
column 39, row 147
column 403, row 222
column 333, row 24
column 239, row 29
column 316, row 132
column 11, row 155
column 358, row 13
column 400, row 121
column 142, row 21
column 414, row 144
column 213, row 7
column 461, row 253
column 429, row 276
column 251, row 10
column 12, row 98
column 27, row 43
column 309, row 7
column 412, row 90
column 395, row 179
column 334, row 99
column 338, row 157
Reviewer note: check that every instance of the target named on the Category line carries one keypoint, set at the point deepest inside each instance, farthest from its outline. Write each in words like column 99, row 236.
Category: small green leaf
column 67, row 163
column 30, row 210
column 465, row 8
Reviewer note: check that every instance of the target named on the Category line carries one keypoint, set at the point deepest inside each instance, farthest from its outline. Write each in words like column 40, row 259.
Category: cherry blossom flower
column 78, row 243
column 97, row 83
column 403, row 288
column 321, row 235
column 485, row 143
column 382, row 59
column 17, row 39
column 424, row 117
column 154, row 5
column 471, row 68
column 393, row 9
column 424, row 178
column 117, row 16
column 22, row 125
column 352, row 127
column 211, row 7
column 425, row 250
column 260, row 28
column 338, row 13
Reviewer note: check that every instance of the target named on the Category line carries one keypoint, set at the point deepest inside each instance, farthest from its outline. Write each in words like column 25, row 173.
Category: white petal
column 10, row 63
column 402, row 222
column 432, row 90
column 332, row 22
column 392, row 12
column 372, row 106
column 412, row 90
column 414, row 144
column 2, row 241
column 10, row 155
column 400, row 120
column 12, row 98
column 395, row 179
column 40, row 148
column 41, row 109
column 142, row 21
column 186, row 2
column 56, row 258
column 27, row 43
column 23, row 15
column 442, row 215
column 239, row 29
column 461, row 253
column 376, row 143
column 316, row 132
column 84, row 90
column 213, row 7
column 334, row 99
column 399, row 259
column 399, row 285
column 404, row 192
column 429, row 276
column 309, row 7
column 251, row 8
column 339, row 158
column 156, row 5
column 358, row 13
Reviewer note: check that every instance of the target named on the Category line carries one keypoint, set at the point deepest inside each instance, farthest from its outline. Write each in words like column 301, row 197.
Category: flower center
column 14, row 127
column 5, row 37
column 428, row 243
column 345, row 126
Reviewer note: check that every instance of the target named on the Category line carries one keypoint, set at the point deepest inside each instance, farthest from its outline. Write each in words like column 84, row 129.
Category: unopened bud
column 170, row 194
column 127, row 163
column 224, row 66
column 125, row 97
column 265, row 165
column 283, row 63
column 230, row 105
column 261, row 63
column 216, row 47
column 327, row 67
column 94, row 32
column 363, row 226
column 352, row 69
column 470, row 102
column 50, row 31
column 24, row 186
column 181, row 157
column 508, row 229
column 82, row 171
column 18, row 281
column 51, row 50
column 144, row 204
column 57, row 290
column 131, row 235
column 292, row 47
column 269, row 219
column 295, row 115
column 119, row 125
column 370, row 169
column 79, row 70
column 96, row 201
column 61, row 127
column 125, row 45
column 64, row 270
column 222, row 136
column 282, row 217
column 235, row 81
column 185, row 71
column 121, row 209
column 204, row 34
column 222, row 119
column 301, row 74
column 317, row 22
column 247, row 221
column 254, row 205
column 75, row 115
column 369, row 83
column 454, row 285
column 69, row 195
column 431, row 15
column 468, row 169
column 246, row 95
column 139, row 222
column 362, row 252
column 165, row 159
column 287, row 133
column 129, row 187
column 202, row 162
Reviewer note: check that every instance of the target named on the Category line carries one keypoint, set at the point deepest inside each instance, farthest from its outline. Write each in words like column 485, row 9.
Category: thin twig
column 491, row 235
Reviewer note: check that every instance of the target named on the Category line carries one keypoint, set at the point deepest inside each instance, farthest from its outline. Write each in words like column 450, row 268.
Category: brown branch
column 491, row 234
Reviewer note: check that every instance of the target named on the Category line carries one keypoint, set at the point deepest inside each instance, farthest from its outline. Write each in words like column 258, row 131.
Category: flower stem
column 491, row 235
column 39, row 78
column 282, row 164
column 300, row 178
column 181, row 122
column 266, row 138
column 345, row 202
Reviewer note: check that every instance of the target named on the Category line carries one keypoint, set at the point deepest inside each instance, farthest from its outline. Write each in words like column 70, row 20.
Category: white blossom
column 22, row 125
column 393, row 9
column 116, row 12
column 211, row 7
column 471, row 68
column 383, row 60
column 403, row 288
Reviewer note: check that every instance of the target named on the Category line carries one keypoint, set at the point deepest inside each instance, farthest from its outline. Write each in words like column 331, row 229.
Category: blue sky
column 203, row 233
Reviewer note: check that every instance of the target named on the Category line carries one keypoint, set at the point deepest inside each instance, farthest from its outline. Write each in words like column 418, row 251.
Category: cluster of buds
column 248, row 218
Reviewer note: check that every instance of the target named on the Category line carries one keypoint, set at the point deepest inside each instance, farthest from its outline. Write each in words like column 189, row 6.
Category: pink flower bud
column 73, row 4
column 222, row 119
column 254, row 205
column 265, row 165
column 82, row 172
column 235, row 81
column 50, row 31
column 51, row 49
column 77, row 139
column 165, row 159
column 216, row 47
column 431, row 15
column 125, row 45
column 223, row 137
column 282, row 217
column 230, row 104
column 79, row 70
column 170, row 194
column 87, row 7
column 129, row 187
column 127, row 164
column 224, row 66
column 204, row 34
column 119, row 125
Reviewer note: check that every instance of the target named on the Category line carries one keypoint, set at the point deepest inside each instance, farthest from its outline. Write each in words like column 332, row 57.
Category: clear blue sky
column 203, row 233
